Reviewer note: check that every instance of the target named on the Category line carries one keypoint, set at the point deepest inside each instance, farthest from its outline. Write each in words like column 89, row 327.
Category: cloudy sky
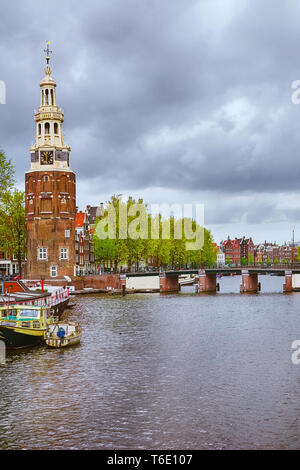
column 175, row 101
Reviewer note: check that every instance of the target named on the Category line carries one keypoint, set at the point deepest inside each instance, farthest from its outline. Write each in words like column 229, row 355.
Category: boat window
column 29, row 313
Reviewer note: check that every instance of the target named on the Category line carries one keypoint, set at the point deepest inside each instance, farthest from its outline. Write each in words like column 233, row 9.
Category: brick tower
column 50, row 191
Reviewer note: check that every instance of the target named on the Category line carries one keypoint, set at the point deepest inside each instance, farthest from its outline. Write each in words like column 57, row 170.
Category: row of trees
column 129, row 250
column 12, row 214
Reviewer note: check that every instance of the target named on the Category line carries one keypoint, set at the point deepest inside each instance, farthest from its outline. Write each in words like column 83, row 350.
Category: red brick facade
column 232, row 252
column 50, row 217
column 237, row 249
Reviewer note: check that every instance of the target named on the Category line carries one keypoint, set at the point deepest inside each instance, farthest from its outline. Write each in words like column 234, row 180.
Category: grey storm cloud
column 190, row 96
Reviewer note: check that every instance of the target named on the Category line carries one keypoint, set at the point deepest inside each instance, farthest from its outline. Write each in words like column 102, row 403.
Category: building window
column 64, row 253
column 67, row 233
column 46, row 178
column 53, row 271
column 55, row 128
column 63, row 200
column 43, row 253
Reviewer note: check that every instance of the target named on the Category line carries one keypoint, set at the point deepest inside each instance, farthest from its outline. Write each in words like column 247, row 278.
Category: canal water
column 157, row 371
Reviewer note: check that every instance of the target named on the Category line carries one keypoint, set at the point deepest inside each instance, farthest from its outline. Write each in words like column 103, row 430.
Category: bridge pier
column 249, row 282
column 168, row 284
column 288, row 285
column 207, row 282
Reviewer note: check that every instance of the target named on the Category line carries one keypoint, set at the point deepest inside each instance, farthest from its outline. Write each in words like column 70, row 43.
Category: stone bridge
column 207, row 278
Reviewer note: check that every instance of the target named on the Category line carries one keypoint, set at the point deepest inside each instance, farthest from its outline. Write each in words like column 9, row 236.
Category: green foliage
column 167, row 251
column 12, row 214
column 244, row 261
column 6, row 174
column 276, row 260
column 250, row 259
column 298, row 254
column 13, row 225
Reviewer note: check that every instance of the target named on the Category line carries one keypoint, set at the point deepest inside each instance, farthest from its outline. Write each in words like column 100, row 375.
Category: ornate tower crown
column 49, row 148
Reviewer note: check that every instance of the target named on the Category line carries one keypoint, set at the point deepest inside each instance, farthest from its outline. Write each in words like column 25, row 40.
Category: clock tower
column 50, row 192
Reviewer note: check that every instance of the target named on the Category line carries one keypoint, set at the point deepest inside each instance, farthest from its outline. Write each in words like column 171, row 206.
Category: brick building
column 8, row 265
column 85, row 260
column 247, row 247
column 94, row 212
column 50, row 192
column 237, row 249
column 232, row 251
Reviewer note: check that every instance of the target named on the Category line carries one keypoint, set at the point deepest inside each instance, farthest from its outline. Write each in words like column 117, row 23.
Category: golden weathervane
column 48, row 52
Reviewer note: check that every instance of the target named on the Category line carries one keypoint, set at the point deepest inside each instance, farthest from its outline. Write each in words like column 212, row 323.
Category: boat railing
column 51, row 301
column 54, row 319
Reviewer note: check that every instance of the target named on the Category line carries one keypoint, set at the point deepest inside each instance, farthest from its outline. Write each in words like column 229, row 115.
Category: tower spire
column 48, row 52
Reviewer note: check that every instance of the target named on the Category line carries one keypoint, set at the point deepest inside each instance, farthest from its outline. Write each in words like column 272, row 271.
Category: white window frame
column 42, row 254
column 67, row 233
column 64, row 253
column 51, row 270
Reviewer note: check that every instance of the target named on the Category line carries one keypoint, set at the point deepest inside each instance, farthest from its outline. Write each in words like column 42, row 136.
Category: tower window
column 47, row 96
column 52, row 100
column 53, row 271
column 63, row 200
column 47, row 128
column 40, row 129
column 64, row 253
column 55, row 128
column 43, row 253
column 46, row 178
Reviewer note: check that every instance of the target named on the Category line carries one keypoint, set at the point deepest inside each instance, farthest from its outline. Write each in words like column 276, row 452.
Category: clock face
column 47, row 157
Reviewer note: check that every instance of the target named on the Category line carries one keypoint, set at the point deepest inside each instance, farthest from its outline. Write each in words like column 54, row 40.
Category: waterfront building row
column 238, row 251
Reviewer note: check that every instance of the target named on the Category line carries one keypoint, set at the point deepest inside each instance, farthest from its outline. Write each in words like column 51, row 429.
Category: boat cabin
column 24, row 313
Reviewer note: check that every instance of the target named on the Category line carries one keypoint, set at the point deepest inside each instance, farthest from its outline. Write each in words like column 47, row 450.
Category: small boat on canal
column 62, row 334
column 23, row 325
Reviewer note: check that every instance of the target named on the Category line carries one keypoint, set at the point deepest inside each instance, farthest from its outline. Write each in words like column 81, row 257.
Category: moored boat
column 15, row 291
column 24, row 325
column 61, row 334
column 186, row 279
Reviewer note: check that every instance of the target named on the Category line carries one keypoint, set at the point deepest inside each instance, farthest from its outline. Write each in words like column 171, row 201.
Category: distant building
column 220, row 258
column 8, row 265
column 84, row 253
column 247, row 247
column 237, row 249
column 94, row 212
column 232, row 251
